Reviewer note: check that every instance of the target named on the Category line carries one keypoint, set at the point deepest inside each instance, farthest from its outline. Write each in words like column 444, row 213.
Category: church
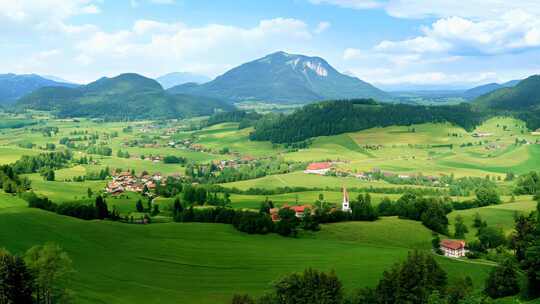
column 345, row 205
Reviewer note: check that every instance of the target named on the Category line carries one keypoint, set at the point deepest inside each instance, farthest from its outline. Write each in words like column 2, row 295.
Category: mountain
column 173, row 79
column 13, row 86
column 284, row 78
column 487, row 88
column 127, row 96
column 57, row 79
column 524, row 96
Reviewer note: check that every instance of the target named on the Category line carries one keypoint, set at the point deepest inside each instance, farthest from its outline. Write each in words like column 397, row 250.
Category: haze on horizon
column 390, row 43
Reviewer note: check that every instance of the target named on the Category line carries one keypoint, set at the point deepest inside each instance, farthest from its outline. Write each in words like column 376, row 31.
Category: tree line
column 40, row 276
column 340, row 116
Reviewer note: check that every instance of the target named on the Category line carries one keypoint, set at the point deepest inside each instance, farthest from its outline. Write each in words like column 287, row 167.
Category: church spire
column 346, row 204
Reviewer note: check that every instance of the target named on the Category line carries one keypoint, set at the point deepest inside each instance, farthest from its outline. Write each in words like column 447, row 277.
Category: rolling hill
column 487, row 88
column 284, row 78
column 126, row 96
column 13, row 87
column 524, row 96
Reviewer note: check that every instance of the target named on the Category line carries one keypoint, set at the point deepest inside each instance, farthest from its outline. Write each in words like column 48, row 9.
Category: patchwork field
column 207, row 263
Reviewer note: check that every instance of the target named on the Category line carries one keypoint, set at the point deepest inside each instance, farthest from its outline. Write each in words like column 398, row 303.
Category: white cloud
column 514, row 31
column 352, row 53
column 472, row 9
column 159, row 47
column 163, row 1
column 354, row 4
column 322, row 26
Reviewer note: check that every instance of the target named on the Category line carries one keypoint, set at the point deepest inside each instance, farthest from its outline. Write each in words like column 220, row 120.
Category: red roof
column 319, row 166
column 453, row 244
column 298, row 208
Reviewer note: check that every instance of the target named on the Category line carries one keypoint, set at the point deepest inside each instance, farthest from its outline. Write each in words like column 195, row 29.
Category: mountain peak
column 284, row 77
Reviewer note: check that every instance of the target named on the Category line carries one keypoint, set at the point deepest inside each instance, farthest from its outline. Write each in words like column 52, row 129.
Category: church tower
column 346, row 206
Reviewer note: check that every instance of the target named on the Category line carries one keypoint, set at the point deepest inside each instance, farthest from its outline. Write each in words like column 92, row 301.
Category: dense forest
column 339, row 116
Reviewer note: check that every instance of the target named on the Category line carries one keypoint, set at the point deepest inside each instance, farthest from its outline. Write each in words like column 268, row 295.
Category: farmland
column 168, row 262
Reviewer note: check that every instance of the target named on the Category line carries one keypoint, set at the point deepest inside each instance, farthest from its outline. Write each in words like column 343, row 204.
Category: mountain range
column 13, row 87
column 127, row 96
column 284, row 78
column 177, row 78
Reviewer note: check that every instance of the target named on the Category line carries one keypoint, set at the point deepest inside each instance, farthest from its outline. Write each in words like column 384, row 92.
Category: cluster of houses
column 127, row 182
column 300, row 210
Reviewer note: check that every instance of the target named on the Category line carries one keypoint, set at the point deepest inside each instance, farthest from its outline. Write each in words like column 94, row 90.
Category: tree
column 486, row 196
column 52, row 269
column 412, row 281
column 89, row 192
column 266, row 206
column 478, row 222
column 436, row 243
column 139, row 206
column 16, row 281
column 460, row 229
column 309, row 222
column 242, row 299
column 523, row 235
column 102, row 212
column 491, row 237
column 155, row 210
column 531, row 262
column 177, row 207
column 459, row 290
column 309, row 287
column 503, row 281
column 435, row 218
column 288, row 222
column 362, row 210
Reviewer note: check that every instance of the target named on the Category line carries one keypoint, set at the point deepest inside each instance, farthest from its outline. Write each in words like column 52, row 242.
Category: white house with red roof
column 318, row 168
column 453, row 248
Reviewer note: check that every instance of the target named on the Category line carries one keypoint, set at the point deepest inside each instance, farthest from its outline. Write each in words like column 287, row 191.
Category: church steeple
column 346, row 206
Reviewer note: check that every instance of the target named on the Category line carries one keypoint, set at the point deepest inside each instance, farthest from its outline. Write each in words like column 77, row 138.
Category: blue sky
column 391, row 43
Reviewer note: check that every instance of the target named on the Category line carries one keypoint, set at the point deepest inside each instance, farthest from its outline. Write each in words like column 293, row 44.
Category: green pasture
column 500, row 216
column 207, row 263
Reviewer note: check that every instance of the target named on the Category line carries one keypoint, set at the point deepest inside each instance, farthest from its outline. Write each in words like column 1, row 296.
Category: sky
column 390, row 43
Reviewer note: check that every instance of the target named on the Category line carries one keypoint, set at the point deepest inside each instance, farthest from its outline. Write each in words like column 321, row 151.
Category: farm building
column 453, row 248
column 318, row 168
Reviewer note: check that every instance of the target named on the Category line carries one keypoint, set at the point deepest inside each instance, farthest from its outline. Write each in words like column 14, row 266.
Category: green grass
column 501, row 216
column 207, row 263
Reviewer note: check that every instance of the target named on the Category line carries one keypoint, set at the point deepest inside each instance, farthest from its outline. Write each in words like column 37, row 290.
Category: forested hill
column 522, row 101
column 335, row 117
column 127, row 96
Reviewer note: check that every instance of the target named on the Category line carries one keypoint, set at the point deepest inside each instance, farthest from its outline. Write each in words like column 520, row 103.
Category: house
column 453, row 248
column 114, row 188
column 345, row 205
column 274, row 214
column 482, row 134
column 318, row 168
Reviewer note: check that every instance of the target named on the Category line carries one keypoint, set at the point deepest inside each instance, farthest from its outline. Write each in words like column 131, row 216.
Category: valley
column 167, row 261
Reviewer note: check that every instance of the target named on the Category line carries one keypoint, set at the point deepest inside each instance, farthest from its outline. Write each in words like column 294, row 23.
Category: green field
column 207, row 263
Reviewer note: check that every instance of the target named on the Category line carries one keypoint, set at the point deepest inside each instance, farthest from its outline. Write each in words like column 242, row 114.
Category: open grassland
column 300, row 179
column 207, row 263
column 500, row 216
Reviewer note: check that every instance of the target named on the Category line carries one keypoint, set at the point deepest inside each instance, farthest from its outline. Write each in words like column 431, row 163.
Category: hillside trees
column 340, row 116
column 16, row 280
column 52, row 269
column 503, row 281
